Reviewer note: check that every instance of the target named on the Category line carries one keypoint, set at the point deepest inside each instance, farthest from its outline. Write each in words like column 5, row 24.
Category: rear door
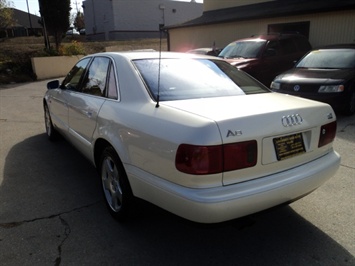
column 85, row 105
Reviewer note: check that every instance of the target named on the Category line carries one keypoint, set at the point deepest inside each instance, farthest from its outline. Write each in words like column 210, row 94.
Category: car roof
column 271, row 37
column 151, row 54
column 338, row 46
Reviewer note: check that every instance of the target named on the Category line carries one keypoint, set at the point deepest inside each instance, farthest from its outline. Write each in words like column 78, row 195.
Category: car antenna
column 158, row 96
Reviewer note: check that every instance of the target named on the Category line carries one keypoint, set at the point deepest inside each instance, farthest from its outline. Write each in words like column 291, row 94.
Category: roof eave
column 266, row 10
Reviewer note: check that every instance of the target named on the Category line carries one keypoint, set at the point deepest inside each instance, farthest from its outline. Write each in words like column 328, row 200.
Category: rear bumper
column 224, row 203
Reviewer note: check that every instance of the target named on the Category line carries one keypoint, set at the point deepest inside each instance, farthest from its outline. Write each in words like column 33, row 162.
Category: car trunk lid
column 272, row 120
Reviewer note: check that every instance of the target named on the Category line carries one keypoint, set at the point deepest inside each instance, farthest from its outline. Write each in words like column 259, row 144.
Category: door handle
column 88, row 113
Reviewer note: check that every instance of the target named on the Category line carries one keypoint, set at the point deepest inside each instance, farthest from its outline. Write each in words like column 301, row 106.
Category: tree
column 55, row 14
column 79, row 21
column 6, row 15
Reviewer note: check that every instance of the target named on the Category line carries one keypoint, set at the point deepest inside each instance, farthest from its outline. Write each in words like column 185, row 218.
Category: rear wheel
column 116, row 189
column 52, row 133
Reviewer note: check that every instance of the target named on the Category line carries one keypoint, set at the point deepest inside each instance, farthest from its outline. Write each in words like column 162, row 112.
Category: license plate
column 289, row 146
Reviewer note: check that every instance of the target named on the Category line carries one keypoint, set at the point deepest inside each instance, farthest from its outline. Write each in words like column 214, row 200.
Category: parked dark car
column 206, row 51
column 72, row 32
column 326, row 75
column 266, row 56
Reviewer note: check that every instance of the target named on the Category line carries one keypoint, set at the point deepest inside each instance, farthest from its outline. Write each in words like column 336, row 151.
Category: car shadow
column 44, row 179
column 42, row 176
column 346, row 127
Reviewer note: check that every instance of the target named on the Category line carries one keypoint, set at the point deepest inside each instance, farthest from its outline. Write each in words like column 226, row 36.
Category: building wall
column 325, row 28
column 99, row 19
column 213, row 4
column 129, row 19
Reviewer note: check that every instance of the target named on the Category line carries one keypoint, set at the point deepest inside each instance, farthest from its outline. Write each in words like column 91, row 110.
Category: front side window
column 288, row 46
column 95, row 80
column 194, row 78
column 72, row 80
column 273, row 48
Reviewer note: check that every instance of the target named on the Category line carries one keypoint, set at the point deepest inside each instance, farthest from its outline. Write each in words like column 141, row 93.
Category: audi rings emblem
column 291, row 120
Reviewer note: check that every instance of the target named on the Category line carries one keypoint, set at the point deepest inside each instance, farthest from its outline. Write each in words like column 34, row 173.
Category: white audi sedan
column 190, row 134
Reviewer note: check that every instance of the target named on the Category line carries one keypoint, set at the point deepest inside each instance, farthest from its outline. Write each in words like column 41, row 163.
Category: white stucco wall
column 53, row 66
column 98, row 17
column 325, row 28
column 122, row 19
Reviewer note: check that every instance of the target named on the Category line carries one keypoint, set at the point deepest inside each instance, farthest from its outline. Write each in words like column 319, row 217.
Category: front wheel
column 52, row 134
column 116, row 189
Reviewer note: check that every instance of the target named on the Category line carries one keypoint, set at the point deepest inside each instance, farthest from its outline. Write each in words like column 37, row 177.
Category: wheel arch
column 100, row 145
column 45, row 102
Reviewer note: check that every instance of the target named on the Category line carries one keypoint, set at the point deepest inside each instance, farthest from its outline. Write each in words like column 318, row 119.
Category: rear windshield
column 195, row 78
column 329, row 58
column 245, row 49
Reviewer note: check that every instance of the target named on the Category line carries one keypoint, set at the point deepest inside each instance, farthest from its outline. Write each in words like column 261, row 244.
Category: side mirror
column 54, row 84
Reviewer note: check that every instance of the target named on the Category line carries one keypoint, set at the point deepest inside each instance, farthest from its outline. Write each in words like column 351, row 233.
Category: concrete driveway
column 52, row 211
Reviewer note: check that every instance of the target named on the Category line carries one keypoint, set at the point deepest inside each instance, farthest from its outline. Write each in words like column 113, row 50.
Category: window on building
column 296, row 27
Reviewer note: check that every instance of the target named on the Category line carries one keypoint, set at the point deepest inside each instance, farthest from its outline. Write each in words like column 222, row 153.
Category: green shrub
column 74, row 48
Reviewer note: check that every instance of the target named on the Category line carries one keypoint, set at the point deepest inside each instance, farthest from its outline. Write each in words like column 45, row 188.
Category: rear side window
column 95, row 80
column 112, row 85
column 194, row 78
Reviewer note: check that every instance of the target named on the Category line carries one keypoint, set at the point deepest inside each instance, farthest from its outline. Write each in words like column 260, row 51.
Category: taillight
column 327, row 134
column 199, row 160
column 240, row 155
column 203, row 160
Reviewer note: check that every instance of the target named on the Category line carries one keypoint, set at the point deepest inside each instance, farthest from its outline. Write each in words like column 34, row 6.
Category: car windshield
column 195, row 78
column 245, row 49
column 329, row 58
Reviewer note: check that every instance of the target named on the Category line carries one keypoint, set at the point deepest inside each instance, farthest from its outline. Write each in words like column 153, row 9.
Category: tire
column 52, row 133
column 115, row 185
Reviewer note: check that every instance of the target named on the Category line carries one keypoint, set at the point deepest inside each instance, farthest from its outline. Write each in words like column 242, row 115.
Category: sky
column 34, row 9
column 33, row 5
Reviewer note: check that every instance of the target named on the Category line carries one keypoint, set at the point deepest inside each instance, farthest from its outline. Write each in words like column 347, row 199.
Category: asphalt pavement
column 52, row 211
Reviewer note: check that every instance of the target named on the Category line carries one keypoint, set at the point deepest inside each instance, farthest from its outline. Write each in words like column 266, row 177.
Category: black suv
column 266, row 56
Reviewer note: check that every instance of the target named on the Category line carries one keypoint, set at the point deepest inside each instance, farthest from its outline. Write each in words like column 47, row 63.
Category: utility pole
column 76, row 5
column 29, row 17
column 45, row 34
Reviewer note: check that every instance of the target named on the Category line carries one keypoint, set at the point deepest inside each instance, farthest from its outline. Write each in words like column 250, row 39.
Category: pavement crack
column 19, row 223
column 347, row 166
column 67, row 231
